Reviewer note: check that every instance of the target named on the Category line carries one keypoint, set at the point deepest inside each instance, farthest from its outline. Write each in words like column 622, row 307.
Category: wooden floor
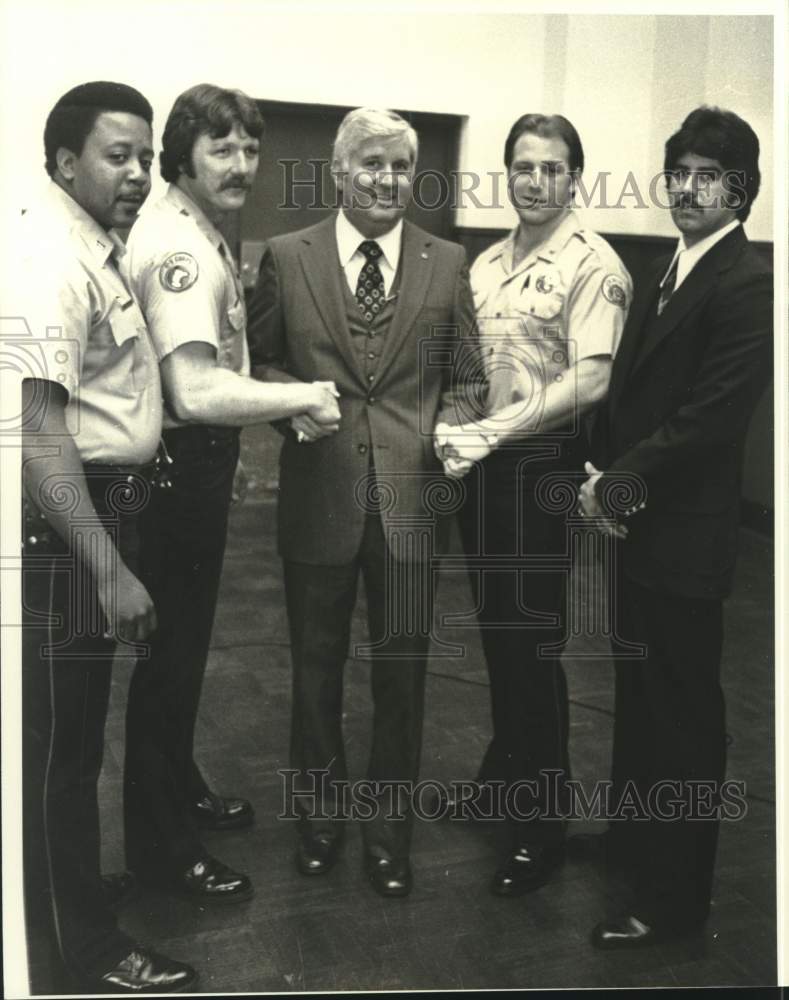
column 335, row 933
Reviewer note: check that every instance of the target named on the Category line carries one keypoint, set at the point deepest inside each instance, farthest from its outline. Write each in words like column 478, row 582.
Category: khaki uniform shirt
column 86, row 331
column 183, row 273
column 565, row 301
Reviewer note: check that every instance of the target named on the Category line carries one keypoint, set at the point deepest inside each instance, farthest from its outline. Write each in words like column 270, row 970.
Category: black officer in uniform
column 91, row 423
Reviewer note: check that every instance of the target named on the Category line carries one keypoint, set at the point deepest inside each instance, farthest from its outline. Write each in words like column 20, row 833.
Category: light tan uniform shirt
column 86, row 331
column 183, row 273
column 565, row 301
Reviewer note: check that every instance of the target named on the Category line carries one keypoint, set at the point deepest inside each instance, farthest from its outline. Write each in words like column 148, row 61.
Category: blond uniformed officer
column 92, row 412
column 184, row 274
column 551, row 301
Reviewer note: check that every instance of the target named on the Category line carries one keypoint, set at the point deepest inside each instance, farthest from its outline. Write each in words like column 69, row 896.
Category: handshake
column 322, row 417
column 459, row 447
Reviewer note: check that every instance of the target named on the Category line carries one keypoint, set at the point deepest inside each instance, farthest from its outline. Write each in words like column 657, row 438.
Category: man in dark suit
column 362, row 299
column 694, row 360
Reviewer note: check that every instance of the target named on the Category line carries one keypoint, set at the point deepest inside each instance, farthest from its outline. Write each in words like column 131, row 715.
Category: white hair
column 364, row 123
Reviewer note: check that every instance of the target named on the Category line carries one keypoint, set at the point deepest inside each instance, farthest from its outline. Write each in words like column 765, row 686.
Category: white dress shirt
column 352, row 259
column 690, row 256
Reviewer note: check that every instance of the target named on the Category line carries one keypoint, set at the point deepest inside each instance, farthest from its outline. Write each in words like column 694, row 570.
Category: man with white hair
column 357, row 299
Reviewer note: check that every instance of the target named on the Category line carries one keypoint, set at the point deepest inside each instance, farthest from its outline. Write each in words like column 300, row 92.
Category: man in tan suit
column 381, row 308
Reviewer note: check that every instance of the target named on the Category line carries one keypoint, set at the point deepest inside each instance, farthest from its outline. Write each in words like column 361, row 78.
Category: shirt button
column 362, row 449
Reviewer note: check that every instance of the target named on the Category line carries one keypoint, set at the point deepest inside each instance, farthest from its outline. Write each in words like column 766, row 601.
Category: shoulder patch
column 614, row 291
column 178, row 272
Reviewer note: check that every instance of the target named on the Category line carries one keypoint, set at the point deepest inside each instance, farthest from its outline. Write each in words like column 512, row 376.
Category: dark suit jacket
column 683, row 388
column 298, row 324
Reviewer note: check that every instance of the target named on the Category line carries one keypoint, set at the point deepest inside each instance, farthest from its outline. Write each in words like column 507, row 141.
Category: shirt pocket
column 544, row 296
column 130, row 335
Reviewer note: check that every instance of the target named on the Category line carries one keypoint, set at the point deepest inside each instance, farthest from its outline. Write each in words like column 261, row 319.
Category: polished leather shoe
column 623, row 932
column 209, row 881
column 527, row 868
column 317, row 855
column 144, row 971
column 119, row 888
column 389, row 876
column 212, row 812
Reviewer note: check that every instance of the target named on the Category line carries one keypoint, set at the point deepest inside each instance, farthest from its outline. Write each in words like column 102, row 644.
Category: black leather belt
column 97, row 470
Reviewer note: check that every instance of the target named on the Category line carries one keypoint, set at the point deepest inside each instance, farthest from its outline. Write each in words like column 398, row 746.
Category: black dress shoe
column 119, row 888
column 628, row 931
column 144, row 971
column 209, row 881
column 623, row 932
column 318, row 854
column 527, row 868
column 212, row 812
column 389, row 876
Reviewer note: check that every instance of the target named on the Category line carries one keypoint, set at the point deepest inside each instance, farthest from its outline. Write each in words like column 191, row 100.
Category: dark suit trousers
column 183, row 536
column 320, row 602
column 65, row 693
column 503, row 517
column 670, row 726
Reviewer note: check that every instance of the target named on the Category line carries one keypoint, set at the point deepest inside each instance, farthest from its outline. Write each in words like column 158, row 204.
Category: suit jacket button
column 371, row 400
column 362, row 449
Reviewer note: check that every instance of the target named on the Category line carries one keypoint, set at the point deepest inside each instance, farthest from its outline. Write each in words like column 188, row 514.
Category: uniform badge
column 178, row 272
column 614, row 291
column 544, row 284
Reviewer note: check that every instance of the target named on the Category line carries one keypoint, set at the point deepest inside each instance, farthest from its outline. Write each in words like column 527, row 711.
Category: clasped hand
column 589, row 505
column 321, row 419
column 459, row 447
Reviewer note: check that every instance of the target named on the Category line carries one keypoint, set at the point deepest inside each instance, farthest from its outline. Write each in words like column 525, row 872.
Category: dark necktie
column 370, row 287
column 668, row 287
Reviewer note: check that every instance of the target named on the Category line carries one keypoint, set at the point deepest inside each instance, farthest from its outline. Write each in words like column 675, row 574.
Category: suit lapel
column 632, row 336
column 695, row 287
column 416, row 263
column 323, row 273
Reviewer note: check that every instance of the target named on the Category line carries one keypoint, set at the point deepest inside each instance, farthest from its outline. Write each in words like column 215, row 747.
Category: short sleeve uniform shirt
column 81, row 327
column 184, row 275
column 565, row 301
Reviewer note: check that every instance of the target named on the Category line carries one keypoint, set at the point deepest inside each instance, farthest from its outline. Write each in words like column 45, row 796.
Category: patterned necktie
column 668, row 287
column 370, row 287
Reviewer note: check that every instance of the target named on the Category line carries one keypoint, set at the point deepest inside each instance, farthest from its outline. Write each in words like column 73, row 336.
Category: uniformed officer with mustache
column 184, row 274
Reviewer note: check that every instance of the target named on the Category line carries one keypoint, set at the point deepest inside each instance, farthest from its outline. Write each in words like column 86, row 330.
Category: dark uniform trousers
column 669, row 728
column 520, row 609
column 182, row 545
column 67, row 668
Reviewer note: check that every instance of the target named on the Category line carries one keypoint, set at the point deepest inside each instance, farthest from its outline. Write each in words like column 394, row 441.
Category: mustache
column 235, row 182
column 686, row 200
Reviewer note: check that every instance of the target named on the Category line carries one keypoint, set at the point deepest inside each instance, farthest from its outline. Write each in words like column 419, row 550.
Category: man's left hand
column 589, row 505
